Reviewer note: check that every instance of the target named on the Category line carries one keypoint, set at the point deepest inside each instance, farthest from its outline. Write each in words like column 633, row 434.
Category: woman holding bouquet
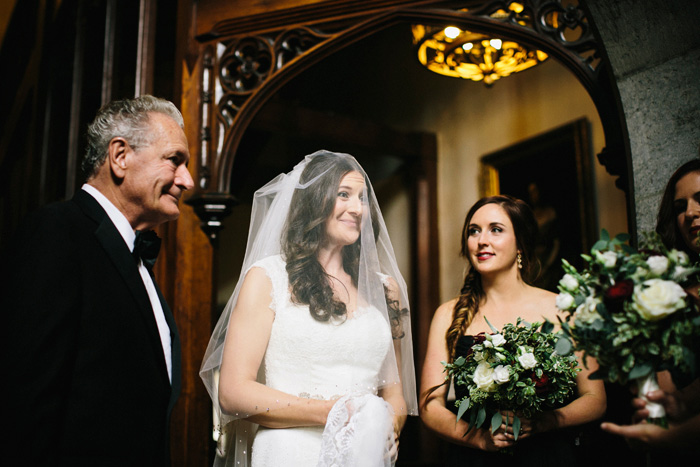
column 311, row 361
column 498, row 242
column 678, row 225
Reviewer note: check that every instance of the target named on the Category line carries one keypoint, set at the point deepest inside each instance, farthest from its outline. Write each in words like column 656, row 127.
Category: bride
column 311, row 361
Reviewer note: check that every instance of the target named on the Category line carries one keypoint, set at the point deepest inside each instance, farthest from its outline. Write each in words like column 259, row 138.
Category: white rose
column 564, row 301
column 680, row 273
column 607, row 259
column 569, row 283
column 658, row 264
column 654, row 299
column 498, row 340
column 527, row 360
column 479, row 357
column 501, row 374
column 483, row 377
column 680, row 257
column 587, row 312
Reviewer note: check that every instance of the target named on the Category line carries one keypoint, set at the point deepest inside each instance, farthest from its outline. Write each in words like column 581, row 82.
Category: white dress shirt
column 128, row 234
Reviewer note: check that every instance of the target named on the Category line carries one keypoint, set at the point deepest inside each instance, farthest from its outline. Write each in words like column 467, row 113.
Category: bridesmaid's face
column 491, row 240
column 686, row 205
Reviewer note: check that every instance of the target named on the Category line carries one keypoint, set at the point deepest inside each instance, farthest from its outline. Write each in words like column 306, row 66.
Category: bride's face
column 343, row 225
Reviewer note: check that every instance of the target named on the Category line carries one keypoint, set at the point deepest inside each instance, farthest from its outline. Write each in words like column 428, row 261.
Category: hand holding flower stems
column 682, row 433
column 628, row 309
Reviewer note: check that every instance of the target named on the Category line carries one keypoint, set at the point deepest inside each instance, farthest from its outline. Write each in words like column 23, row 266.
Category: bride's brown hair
column 471, row 294
column 305, row 234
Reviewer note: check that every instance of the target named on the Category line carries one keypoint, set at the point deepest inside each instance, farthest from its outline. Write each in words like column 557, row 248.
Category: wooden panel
column 187, row 280
column 210, row 12
column 215, row 20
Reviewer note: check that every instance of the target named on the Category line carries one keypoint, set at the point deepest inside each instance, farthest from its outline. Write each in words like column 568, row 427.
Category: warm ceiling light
column 451, row 32
column 478, row 57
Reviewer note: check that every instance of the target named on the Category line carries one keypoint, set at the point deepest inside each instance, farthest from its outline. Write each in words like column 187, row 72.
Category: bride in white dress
column 311, row 361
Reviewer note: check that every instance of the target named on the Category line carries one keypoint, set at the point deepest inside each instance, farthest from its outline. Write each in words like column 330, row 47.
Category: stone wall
column 654, row 52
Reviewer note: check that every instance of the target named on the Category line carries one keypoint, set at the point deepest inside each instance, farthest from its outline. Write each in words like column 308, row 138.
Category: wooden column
column 187, row 279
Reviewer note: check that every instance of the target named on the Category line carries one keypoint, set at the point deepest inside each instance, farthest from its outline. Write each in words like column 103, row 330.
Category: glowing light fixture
column 454, row 52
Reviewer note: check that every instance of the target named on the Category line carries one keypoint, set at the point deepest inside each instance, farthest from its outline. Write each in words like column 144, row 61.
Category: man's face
column 157, row 175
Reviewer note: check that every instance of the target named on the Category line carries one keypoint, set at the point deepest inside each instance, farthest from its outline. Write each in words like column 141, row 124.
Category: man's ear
column 117, row 151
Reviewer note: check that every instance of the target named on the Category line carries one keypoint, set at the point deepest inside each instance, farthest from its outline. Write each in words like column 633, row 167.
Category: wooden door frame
column 293, row 40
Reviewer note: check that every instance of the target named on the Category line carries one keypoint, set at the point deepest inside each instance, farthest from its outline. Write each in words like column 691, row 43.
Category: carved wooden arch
column 243, row 66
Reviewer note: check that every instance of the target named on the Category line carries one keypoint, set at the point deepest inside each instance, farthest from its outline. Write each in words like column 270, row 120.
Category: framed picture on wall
column 552, row 172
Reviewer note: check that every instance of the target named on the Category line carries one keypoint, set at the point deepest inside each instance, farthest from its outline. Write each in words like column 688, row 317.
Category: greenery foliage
column 516, row 369
column 628, row 309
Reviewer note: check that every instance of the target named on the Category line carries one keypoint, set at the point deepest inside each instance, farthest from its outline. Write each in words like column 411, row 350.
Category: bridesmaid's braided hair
column 471, row 294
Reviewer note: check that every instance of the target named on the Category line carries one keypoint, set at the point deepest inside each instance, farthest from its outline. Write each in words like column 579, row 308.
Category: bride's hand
column 392, row 447
column 393, row 440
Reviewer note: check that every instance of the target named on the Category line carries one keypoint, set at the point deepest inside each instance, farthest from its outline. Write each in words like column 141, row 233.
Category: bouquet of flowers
column 628, row 309
column 516, row 369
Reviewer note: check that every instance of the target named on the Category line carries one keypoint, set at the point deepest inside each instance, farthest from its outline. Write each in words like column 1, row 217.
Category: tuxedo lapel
column 175, row 349
column 117, row 251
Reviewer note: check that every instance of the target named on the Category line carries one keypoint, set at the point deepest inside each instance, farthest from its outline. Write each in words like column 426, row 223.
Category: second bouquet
column 516, row 369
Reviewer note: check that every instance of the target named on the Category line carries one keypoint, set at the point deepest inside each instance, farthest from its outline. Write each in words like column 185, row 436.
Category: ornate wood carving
column 241, row 70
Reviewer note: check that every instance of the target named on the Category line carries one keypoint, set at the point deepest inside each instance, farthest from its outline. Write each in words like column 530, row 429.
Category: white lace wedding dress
column 314, row 359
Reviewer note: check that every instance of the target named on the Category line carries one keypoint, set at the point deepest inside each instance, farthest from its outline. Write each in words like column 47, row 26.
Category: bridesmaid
column 498, row 242
column 678, row 224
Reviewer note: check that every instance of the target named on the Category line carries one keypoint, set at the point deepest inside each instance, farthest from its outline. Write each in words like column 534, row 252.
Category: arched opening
column 346, row 83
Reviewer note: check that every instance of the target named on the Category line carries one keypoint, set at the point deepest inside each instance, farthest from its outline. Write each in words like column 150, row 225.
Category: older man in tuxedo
column 90, row 350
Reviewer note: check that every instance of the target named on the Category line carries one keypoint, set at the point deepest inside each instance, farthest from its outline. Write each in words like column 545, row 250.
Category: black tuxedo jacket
column 82, row 362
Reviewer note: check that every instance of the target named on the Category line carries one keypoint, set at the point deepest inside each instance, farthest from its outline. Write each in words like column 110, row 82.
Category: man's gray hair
column 127, row 118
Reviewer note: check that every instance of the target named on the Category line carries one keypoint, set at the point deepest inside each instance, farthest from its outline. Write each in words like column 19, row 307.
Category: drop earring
column 520, row 260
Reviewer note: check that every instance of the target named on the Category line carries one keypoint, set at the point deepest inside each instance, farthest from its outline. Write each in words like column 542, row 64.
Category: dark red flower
column 478, row 339
column 541, row 384
column 620, row 291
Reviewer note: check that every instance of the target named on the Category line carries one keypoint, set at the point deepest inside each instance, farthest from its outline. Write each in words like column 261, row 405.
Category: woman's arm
column 393, row 393
column 435, row 415
column 246, row 342
column 589, row 405
column 682, row 436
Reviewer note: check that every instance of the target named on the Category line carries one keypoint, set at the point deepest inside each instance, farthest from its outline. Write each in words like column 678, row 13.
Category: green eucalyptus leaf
column 628, row 249
column 640, row 370
column 516, row 427
column 463, row 407
column 496, row 421
column 600, row 245
column 564, row 346
column 480, row 417
column 491, row 326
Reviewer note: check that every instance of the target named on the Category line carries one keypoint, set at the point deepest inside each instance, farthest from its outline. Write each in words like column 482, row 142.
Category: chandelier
column 453, row 52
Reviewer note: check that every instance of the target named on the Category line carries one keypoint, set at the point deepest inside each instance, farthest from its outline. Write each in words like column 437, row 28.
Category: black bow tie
column 146, row 247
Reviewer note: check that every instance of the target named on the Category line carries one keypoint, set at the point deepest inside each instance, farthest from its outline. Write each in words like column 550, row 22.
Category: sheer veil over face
column 293, row 218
